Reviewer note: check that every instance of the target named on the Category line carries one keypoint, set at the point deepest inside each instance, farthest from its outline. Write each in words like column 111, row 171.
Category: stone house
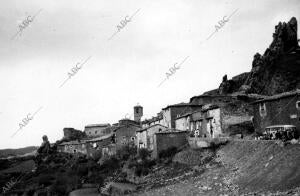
column 125, row 133
column 211, row 124
column 171, row 112
column 280, row 109
column 214, row 120
column 145, row 136
column 183, row 122
column 87, row 147
column 153, row 121
column 100, row 144
column 73, row 147
column 97, row 130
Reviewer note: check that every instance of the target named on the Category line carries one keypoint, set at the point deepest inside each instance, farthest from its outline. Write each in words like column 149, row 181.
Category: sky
column 113, row 75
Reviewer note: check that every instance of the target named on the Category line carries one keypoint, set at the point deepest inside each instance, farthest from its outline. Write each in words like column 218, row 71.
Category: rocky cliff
column 276, row 71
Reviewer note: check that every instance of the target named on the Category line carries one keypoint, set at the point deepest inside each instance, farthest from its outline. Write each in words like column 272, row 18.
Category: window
column 159, row 130
column 96, row 132
column 262, row 109
column 132, row 138
column 298, row 104
column 136, row 110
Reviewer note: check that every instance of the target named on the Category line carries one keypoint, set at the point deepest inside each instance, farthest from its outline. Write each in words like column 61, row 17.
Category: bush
column 125, row 152
column 59, row 189
column 45, row 180
column 110, row 165
column 97, row 155
column 96, row 178
column 140, row 170
column 82, row 170
column 144, row 153
column 64, row 184
column 168, row 153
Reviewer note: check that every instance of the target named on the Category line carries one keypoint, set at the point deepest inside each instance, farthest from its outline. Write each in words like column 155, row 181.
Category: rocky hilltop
column 276, row 71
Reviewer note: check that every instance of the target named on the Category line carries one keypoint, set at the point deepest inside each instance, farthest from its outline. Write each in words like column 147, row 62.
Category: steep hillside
column 241, row 167
column 263, row 165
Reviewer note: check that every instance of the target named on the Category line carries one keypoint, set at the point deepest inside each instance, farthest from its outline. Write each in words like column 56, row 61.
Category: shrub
column 110, row 165
column 97, row 155
column 144, row 153
column 140, row 170
column 168, row 153
column 64, row 184
column 82, row 170
column 125, row 152
column 59, row 189
column 96, row 178
column 45, row 179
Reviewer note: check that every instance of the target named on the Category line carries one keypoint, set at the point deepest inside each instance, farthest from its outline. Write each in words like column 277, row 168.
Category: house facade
column 171, row 112
column 183, row 122
column 88, row 147
column 125, row 135
column 73, row 147
column 280, row 109
column 145, row 137
column 214, row 121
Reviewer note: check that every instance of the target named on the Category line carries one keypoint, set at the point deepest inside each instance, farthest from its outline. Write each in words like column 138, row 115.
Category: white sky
column 125, row 70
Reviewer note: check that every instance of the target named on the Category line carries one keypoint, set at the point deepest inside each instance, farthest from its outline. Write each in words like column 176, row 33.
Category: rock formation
column 276, row 71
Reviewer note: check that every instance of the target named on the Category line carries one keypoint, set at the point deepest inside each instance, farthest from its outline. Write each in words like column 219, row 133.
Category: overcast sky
column 125, row 70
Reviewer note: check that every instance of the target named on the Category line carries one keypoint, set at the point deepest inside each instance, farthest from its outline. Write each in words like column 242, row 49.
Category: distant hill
column 4, row 153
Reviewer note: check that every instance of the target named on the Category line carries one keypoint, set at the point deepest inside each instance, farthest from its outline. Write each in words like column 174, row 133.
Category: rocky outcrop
column 73, row 134
column 276, row 71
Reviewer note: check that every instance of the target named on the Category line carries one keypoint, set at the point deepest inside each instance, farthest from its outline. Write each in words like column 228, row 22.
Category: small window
column 262, row 109
column 159, row 130
column 298, row 104
column 132, row 138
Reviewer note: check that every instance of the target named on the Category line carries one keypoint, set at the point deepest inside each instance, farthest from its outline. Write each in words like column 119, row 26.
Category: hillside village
column 246, row 104
column 253, row 107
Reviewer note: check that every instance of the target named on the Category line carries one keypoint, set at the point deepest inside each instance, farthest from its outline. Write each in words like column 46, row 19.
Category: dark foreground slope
column 239, row 168
column 263, row 165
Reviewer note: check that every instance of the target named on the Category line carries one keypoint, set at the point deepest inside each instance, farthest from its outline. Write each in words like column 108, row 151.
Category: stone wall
column 165, row 140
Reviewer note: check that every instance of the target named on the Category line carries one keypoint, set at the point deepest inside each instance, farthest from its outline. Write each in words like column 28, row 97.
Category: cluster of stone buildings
column 204, row 116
